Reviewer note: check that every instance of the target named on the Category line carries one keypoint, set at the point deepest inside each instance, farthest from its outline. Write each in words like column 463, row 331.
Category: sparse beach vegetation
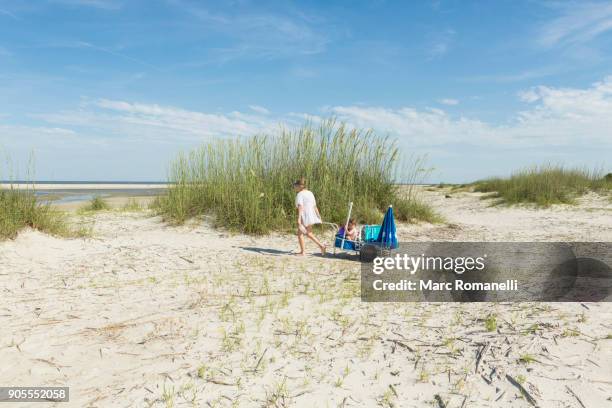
column 491, row 323
column 246, row 184
column 97, row 203
column 132, row 205
column 153, row 259
column 19, row 209
column 412, row 209
column 545, row 185
column 526, row 359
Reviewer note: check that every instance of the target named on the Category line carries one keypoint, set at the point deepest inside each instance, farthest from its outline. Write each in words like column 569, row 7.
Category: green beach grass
column 545, row 185
column 97, row 203
column 19, row 209
column 246, row 184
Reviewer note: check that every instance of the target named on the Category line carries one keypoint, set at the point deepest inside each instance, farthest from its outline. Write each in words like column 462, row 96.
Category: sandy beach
column 147, row 314
column 178, row 180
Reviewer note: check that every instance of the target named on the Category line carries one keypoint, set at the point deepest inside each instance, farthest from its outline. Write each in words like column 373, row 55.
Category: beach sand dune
column 146, row 314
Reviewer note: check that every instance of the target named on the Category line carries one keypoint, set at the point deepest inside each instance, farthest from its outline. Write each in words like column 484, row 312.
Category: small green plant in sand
column 246, row 184
column 279, row 395
column 491, row 323
column 544, row 185
column 386, row 400
column 526, row 359
column 232, row 340
column 570, row 333
column 338, row 382
column 97, row 203
column 132, row 205
column 168, row 396
column 533, row 329
column 19, row 209
column 423, row 376
column 450, row 344
column 203, row 372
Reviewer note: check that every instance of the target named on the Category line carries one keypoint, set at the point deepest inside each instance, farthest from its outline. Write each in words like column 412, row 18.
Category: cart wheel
column 367, row 253
column 384, row 252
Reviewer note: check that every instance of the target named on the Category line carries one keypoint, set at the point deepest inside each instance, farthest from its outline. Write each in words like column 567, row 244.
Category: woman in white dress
column 308, row 215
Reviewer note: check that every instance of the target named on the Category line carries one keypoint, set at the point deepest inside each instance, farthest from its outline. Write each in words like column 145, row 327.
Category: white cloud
column 259, row 109
column 449, row 101
column 301, row 72
column 109, row 51
column 416, row 127
column 577, row 23
column 557, row 117
column 441, row 43
column 29, row 137
column 42, row 131
column 8, row 14
column 566, row 120
column 514, row 77
column 113, row 119
column 259, row 35
column 552, row 117
column 99, row 4
column 591, row 107
column 438, row 49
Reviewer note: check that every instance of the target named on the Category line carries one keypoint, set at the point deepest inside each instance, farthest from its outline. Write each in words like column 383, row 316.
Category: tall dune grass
column 545, row 185
column 246, row 184
column 19, row 209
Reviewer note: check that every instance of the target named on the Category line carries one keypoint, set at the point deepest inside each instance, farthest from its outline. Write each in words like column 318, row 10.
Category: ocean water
column 85, row 193
column 91, row 182
column 68, row 198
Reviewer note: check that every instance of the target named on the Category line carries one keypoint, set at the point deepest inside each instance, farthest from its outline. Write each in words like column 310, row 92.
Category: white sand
column 114, row 201
column 147, row 314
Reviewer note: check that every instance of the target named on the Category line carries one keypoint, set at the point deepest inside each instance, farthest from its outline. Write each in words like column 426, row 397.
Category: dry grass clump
column 246, row 183
column 545, row 185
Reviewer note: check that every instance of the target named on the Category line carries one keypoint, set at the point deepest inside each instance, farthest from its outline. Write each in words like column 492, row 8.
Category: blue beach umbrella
column 387, row 235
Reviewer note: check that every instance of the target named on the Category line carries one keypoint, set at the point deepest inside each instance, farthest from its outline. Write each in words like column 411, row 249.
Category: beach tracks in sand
column 145, row 314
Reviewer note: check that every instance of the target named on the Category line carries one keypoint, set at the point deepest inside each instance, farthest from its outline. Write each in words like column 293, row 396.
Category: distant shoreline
column 79, row 182
column 80, row 185
column 107, row 185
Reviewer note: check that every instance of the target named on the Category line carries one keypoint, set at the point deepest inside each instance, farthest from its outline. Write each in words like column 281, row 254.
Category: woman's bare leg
column 315, row 240
column 301, row 242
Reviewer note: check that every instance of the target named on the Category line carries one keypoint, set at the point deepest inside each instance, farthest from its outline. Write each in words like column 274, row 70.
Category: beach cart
column 372, row 241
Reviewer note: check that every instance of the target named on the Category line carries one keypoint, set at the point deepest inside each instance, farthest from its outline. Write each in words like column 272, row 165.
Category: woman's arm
column 300, row 210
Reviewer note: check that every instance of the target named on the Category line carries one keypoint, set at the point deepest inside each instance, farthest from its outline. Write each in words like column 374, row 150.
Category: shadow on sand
column 278, row 252
column 267, row 251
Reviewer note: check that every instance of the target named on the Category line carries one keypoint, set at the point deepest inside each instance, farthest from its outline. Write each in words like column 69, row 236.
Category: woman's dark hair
column 301, row 182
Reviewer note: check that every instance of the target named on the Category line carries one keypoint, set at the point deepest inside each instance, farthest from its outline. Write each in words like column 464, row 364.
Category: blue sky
column 113, row 89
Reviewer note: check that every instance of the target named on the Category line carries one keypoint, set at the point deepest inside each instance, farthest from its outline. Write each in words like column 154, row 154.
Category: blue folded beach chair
column 370, row 236
column 366, row 233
